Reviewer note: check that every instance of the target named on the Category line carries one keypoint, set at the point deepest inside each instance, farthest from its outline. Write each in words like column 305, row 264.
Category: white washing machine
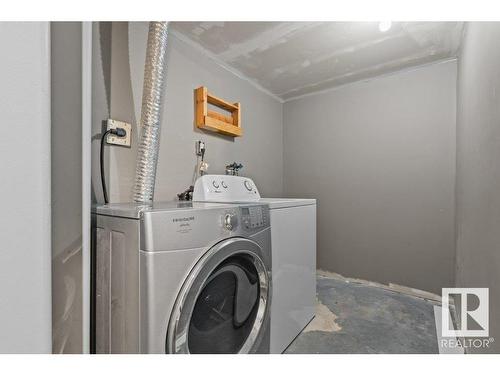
column 182, row 277
column 293, row 234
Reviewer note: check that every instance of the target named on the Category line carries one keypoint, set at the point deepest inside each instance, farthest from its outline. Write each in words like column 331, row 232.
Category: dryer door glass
column 225, row 310
column 223, row 303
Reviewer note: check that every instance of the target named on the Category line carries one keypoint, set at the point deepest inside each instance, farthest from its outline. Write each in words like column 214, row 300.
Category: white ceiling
column 290, row 59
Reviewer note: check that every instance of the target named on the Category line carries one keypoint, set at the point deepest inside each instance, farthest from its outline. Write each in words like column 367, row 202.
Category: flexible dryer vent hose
column 149, row 142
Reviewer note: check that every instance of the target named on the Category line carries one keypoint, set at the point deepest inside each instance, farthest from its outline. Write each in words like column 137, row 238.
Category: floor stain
column 323, row 321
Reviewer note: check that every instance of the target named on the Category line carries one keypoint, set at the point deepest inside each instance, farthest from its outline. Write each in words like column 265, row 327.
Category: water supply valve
column 233, row 169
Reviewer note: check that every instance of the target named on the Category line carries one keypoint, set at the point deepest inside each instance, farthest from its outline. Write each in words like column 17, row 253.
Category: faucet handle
column 233, row 169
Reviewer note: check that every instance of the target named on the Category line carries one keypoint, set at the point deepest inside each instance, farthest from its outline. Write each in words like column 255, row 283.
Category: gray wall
column 188, row 68
column 478, row 166
column 101, row 92
column 66, row 90
column 380, row 158
column 25, row 298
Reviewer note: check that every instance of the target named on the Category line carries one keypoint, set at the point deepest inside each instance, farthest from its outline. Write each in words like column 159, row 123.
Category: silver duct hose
column 152, row 93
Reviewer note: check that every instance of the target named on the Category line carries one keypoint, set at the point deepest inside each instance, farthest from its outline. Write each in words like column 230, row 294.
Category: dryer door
column 223, row 303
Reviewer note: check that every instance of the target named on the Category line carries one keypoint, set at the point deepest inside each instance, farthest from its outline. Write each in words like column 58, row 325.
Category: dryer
column 182, row 277
column 293, row 234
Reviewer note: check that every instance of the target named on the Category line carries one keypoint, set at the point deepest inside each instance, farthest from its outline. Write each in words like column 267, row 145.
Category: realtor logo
column 472, row 309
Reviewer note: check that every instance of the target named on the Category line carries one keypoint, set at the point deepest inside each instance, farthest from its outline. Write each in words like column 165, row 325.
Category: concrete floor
column 356, row 317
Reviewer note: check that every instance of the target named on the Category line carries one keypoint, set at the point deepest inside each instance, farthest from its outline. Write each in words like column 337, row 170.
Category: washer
column 182, row 277
column 293, row 232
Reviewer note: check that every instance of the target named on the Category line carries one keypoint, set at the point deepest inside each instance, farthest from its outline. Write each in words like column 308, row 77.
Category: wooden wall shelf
column 208, row 119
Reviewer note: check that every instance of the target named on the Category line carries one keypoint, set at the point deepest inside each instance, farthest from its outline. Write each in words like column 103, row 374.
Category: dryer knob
column 230, row 221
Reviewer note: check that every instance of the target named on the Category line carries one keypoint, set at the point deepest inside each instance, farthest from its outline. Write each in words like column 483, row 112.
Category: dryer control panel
column 225, row 188
column 254, row 217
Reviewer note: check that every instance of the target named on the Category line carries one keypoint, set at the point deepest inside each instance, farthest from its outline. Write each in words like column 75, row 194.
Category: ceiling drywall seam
column 266, row 39
column 341, row 52
column 405, row 70
column 222, row 64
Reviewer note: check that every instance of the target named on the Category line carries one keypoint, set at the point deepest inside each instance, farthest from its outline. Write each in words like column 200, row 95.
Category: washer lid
column 286, row 202
column 237, row 189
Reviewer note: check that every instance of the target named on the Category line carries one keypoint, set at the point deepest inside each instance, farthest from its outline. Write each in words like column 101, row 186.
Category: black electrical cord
column 101, row 156
column 119, row 132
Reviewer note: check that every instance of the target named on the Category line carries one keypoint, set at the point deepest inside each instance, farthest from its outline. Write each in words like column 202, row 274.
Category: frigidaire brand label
column 182, row 219
column 184, row 223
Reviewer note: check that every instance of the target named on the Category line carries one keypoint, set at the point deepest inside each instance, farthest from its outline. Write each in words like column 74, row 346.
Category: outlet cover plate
column 112, row 139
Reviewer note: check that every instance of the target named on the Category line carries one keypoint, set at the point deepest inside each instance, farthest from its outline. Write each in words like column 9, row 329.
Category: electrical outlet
column 120, row 141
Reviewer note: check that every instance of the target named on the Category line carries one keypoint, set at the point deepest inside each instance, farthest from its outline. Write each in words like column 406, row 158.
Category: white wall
column 379, row 156
column 25, row 237
column 188, row 68
column 478, row 166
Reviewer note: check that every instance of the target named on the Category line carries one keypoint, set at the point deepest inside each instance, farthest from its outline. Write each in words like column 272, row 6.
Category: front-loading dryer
column 182, row 277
